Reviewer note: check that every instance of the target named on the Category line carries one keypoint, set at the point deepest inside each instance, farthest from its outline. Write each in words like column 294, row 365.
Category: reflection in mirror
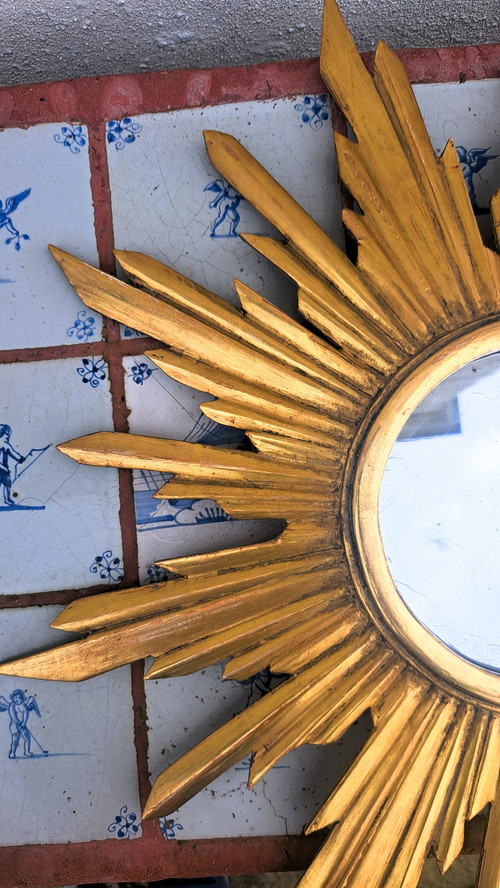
column 439, row 511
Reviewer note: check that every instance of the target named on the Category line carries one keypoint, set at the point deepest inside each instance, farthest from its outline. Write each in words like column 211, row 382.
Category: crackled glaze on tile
column 67, row 775
column 60, row 520
column 184, row 710
column 168, row 201
column 45, row 190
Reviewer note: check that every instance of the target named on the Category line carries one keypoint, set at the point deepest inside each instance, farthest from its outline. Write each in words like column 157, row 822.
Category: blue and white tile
column 46, row 198
column 184, row 710
column 468, row 113
column 169, row 202
column 71, row 772
column 60, row 526
column 161, row 407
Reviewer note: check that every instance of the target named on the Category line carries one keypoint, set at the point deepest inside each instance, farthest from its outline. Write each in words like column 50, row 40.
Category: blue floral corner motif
column 156, row 574
column 141, row 372
column 168, row 827
column 83, row 327
column 122, row 132
column 129, row 332
column 108, row 568
column 6, row 210
column 125, row 824
column 226, row 203
column 93, row 371
column 313, row 111
column 71, row 137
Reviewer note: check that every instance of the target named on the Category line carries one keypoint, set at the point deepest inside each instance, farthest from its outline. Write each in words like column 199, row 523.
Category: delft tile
column 46, row 199
column 182, row 711
column 469, row 114
column 71, row 776
column 61, row 529
column 159, row 406
column 169, row 202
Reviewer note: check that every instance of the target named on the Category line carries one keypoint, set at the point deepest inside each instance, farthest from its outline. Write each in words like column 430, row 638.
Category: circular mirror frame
column 362, row 537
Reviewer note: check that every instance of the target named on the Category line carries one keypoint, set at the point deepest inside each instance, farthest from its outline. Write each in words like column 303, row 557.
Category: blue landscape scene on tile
column 168, row 827
column 472, row 161
column 10, row 471
column 151, row 514
column 71, row 137
column 125, row 824
column 83, row 327
column 93, row 371
column 313, row 111
column 226, row 202
column 108, row 567
column 6, row 210
column 122, row 132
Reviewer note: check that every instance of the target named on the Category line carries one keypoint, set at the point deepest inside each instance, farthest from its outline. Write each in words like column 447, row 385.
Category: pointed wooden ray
column 415, row 211
column 121, row 607
column 348, row 326
column 246, row 731
column 305, row 236
column 261, row 326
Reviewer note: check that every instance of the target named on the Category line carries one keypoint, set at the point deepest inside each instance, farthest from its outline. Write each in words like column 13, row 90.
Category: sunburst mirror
column 323, row 405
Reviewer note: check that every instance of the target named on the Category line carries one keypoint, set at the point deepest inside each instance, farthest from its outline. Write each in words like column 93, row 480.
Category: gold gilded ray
column 309, row 603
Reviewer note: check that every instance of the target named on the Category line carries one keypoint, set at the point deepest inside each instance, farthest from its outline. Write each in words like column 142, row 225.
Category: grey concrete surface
column 59, row 39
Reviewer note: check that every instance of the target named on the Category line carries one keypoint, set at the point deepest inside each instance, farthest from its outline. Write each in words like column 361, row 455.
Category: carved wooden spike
column 246, row 731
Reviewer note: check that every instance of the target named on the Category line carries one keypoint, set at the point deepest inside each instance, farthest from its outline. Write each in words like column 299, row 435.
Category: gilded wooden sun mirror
column 326, row 414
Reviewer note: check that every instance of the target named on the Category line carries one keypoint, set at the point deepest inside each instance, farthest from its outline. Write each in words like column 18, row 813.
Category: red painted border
column 152, row 858
column 94, row 100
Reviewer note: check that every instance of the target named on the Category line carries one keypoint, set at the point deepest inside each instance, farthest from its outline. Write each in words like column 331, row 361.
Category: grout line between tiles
column 113, row 353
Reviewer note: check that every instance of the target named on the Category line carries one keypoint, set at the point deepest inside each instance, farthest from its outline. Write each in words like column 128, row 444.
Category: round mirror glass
column 439, row 511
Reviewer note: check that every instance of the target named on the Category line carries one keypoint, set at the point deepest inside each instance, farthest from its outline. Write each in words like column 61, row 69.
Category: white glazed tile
column 64, row 515
column 39, row 307
column 161, row 407
column 468, row 113
column 82, row 770
column 162, row 186
column 182, row 711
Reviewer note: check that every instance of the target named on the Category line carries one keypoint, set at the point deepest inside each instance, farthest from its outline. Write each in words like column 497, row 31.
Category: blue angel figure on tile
column 6, row 211
column 472, row 161
column 19, row 709
column 226, row 202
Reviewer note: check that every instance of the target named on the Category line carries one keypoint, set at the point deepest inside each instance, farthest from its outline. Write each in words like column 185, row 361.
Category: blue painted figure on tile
column 7, row 479
column 6, row 211
column 226, row 202
column 7, row 452
column 19, row 709
column 472, row 161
